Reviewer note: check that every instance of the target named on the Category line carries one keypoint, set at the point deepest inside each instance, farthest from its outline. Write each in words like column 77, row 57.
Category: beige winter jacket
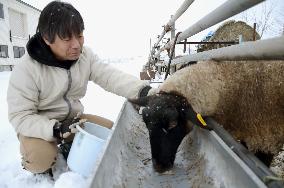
column 40, row 95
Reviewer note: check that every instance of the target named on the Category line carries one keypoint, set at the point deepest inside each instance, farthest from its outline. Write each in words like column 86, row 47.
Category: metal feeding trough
column 203, row 160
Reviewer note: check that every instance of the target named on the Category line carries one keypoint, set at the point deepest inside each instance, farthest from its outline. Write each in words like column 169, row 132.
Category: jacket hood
column 42, row 53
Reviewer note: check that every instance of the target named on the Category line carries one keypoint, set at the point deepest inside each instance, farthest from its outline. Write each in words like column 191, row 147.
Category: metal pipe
column 226, row 10
column 209, row 42
column 178, row 13
column 269, row 49
column 258, row 168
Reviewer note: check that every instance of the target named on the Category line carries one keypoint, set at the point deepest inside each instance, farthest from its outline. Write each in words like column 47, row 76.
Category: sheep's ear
column 172, row 124
column 196, row 119
column 190, row 114
column 142, row 101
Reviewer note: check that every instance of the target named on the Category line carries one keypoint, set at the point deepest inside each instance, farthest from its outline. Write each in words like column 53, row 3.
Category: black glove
column 65, row 149
column 64, row 129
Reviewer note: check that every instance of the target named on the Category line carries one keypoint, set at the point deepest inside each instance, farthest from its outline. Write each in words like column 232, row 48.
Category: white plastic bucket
column 87, row 145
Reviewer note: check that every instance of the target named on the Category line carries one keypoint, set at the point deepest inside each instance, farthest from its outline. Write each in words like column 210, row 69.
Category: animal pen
column 205, row 158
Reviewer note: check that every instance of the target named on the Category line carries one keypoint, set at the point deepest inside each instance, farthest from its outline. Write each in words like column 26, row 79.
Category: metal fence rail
column 226, row 10
column 178, row 13
column 269, row 49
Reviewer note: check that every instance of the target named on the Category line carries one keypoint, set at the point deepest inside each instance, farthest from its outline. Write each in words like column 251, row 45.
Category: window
column 18, row 51
column 1, row 11
column 3, row 51
column 17, row 23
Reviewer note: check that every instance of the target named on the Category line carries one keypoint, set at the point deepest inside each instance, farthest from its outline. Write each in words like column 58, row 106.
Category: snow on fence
column 262, row 49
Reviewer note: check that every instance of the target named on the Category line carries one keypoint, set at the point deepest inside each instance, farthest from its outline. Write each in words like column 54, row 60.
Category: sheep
column 246, row 97
column 166, row 117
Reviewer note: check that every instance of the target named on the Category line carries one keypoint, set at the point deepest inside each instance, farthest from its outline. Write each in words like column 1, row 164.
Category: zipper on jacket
column 65, row 94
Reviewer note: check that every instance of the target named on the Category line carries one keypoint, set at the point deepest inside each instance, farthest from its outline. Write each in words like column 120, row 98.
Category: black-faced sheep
column 166, row 117
column 246, row 97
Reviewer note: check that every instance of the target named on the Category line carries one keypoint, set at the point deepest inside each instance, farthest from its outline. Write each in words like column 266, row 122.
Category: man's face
column 67, row 48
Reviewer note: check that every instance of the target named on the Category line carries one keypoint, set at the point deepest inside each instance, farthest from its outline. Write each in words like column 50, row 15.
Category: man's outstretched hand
column 64, row 129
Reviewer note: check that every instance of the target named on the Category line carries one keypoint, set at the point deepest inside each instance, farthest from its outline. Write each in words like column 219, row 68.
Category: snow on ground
column 97, row 101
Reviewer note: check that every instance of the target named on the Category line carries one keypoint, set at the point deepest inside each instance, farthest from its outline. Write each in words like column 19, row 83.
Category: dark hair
column 59, row 18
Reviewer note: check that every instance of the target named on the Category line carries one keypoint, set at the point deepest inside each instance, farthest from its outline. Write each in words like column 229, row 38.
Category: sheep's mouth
column 161, row 168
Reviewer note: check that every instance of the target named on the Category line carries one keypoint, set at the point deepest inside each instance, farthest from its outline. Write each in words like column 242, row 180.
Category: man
column 46, row 87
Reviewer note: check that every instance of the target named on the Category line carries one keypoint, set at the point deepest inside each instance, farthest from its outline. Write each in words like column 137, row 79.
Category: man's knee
column 37, row 155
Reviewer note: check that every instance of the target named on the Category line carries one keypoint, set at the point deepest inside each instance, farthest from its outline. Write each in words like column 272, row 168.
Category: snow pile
column 70, row 180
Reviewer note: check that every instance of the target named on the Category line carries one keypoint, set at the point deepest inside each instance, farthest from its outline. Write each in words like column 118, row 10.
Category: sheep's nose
column 159, row 167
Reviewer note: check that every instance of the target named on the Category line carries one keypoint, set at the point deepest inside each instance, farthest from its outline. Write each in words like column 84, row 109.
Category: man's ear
column 46, row 41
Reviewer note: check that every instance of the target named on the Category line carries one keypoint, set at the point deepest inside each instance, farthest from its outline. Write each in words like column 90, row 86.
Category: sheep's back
column 246, row 97
column 254, row 111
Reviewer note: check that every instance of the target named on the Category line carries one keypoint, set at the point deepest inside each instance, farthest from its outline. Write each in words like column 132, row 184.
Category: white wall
column 31, row 16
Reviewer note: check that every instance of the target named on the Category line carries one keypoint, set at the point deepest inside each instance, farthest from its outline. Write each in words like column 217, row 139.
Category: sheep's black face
column 165, row 118
column 166, row 132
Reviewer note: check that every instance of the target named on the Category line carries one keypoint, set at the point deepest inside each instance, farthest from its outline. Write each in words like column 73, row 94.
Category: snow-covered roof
column 28, row 5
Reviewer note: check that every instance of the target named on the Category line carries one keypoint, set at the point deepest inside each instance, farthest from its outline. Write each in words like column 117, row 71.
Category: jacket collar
column 42, row 53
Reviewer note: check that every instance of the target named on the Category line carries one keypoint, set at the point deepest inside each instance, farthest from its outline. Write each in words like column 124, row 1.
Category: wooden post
column 172, row 69
column 240, row 39
column 254, row 32
column 173, row 33
column 150, row 46
column 10, row 32
column 184, row 45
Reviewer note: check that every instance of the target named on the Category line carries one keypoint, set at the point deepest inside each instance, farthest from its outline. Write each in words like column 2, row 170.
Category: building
column 18, row 21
